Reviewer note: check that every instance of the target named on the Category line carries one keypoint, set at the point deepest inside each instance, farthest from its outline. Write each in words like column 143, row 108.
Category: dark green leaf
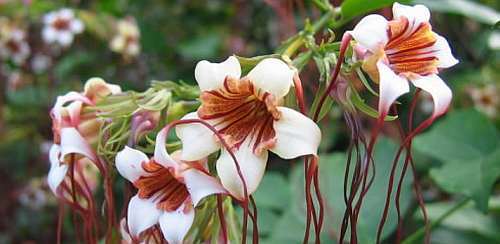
column 353, row 8
column 468, row 145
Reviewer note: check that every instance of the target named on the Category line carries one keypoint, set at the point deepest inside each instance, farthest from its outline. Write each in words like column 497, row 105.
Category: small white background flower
column 13, row 45
column 126, row 40
column 61, row 26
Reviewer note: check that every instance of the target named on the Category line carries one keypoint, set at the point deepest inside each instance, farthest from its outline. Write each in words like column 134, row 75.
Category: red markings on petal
column 241, row 112
column 409, row 49
column 162, row 185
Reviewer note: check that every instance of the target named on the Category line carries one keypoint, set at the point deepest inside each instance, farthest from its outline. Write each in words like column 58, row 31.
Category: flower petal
column 66, row 13
column 175, row 225
column 443, row 52
column 73, row 142
column 201, row 185
column 49, row 34
column 142, row 214
column 124, row 232
column 415, row 14
column 371, row 32
column 210, row 76
column 65, row 38
column 252, row 168
column 76, row 26
column 129, row 163
column 62, row 100
column 272, row 75
column 391, row 87
column 57, row 170
column 296, row 135
column 440, row 92
column 161, row 155
column 197, row 140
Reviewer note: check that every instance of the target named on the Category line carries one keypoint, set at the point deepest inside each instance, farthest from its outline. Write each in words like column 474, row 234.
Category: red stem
column 222, row 219
column 343, row 47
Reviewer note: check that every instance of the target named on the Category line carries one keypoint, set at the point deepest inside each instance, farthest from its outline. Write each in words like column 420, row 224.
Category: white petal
column 161, row 155
column 443, row 52
column 211, row 76
column 440, row 92
column 296, row 135
column 129, row 163
column 49, row 34
column 49, row 18
column 65, row 38
column 124, row 232
column 142, row 214
column 175, row 225
column 66, row 13
column 201, row 185
column 76, row 26
column 197, row 140
column 62, row 100
column 73, row 142
column 272, row 75
column 371, row 32
column 252, row 168
column 57, row 170
column 391, row 87
column 415, row 14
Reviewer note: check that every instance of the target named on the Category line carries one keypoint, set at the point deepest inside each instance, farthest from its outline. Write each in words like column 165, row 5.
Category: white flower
column 247, row 114
column 75, row 132
column 168, row 190
column 61, row 26
column 13, row 45
column 40, row 63
column 486, row 99
column 126, row 40
column 403, row 49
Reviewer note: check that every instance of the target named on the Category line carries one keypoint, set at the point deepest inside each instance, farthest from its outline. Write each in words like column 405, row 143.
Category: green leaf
column 201, row 47
column 332, row 169
column 273, row 191
column 465, row 220
column 360, row 104
column 470, row 9
column 467, row 144
column 353, row 8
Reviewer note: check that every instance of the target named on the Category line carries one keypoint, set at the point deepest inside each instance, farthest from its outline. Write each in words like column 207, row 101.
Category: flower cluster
column 223, row 147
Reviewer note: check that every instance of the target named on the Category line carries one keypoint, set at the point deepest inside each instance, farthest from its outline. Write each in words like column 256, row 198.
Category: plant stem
column 301, row 37
column 417, row 235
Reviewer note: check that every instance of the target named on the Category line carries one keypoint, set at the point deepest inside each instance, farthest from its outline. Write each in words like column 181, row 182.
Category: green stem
column 416, row 236
column 301, row 37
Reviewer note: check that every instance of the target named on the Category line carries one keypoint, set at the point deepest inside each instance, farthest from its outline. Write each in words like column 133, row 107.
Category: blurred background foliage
column 458, row 159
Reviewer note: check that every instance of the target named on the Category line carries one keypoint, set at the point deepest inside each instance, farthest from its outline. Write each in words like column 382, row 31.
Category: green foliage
column 467, row 144
column 470, row 9
column 353, row 8
column 289, row 228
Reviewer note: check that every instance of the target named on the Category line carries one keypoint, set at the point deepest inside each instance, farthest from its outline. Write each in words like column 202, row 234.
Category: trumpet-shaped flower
column 61, row 26
column 168, row 189
column 246, row 112
column 74, row 129
column 403, row 49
